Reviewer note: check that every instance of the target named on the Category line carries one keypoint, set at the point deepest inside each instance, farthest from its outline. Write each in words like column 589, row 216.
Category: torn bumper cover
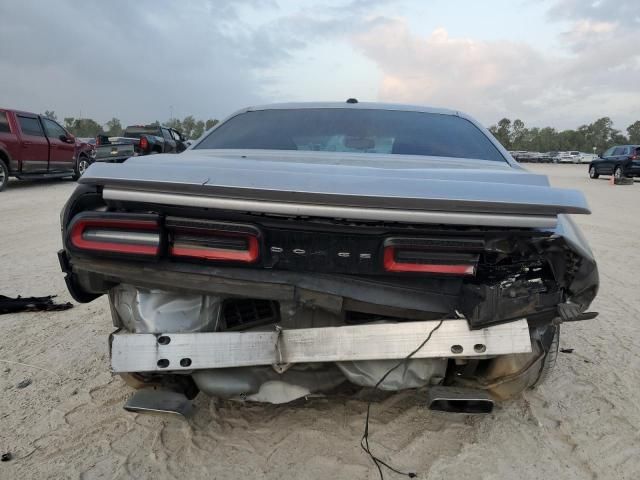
column 279, row 359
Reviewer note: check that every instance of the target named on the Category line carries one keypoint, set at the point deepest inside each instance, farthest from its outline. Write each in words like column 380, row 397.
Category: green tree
column 634, row 132
column 517, row 135
column 190, row 127
column 198, row 129
column 601, row 133
column 83, row 127
column 114, row 128
column 174, row 123
column 502, row 132
column 68, row 122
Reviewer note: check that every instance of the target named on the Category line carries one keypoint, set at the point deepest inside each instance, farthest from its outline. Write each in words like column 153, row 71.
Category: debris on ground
column 24, row 383
column 31, row 304
column 566, row 350
column 6, row 457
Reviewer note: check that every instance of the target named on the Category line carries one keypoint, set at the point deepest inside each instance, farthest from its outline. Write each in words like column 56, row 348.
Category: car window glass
column 30, row 126
column 4, row 123
column 618, row 151
column 138, row 131
column 166, row 134
column 175, row 135
column 346, row 130
column 53, row 129
column 609, row 152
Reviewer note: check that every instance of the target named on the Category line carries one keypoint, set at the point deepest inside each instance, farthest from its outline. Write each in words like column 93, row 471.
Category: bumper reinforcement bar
column 132, row 352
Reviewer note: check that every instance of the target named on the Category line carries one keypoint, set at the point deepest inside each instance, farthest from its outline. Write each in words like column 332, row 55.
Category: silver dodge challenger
column 297, row 247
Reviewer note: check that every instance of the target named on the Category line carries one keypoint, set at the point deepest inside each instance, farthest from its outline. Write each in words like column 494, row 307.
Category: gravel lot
column 69, row 422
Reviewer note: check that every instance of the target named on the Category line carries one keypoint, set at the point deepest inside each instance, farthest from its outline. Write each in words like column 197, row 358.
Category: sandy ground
column 69, row 422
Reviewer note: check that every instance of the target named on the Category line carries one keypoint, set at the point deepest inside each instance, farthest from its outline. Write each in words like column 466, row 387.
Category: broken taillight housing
column 115, row 234
column 210, row 240
column 429, row 255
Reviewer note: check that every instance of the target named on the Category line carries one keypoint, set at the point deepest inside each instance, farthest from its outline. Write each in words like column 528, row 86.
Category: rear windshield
column 357, row 130
column 135, row 132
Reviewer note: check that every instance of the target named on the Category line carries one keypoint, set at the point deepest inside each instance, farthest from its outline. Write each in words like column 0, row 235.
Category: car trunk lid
column 360, row 186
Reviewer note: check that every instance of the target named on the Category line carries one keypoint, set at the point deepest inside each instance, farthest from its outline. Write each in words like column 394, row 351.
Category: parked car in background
column 299, row 246
column 619, row 161
column 139, row 140
column 148, row 139
column 116, row 152
column 33, row 146
column 587, row 157
column 569, row 157
column 88, row 140
column 528, row 157
column 550, row 157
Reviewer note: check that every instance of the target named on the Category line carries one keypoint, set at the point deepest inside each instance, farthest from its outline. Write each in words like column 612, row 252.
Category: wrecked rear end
column 298, row 247
column 269, row 307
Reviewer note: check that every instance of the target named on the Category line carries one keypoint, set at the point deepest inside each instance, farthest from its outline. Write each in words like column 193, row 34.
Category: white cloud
column 596, row 75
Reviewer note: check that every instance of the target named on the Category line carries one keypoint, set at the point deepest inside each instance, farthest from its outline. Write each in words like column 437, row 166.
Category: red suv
column 33, row 146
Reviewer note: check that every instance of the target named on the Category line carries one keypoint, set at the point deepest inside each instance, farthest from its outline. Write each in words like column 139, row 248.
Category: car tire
column 4, row 175
column 80, row 167
column 618, row 173
column 593, row 173
column 549, row 359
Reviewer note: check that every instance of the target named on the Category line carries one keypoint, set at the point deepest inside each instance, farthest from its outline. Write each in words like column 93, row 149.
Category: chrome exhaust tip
column 159, row 401
column 459, row 400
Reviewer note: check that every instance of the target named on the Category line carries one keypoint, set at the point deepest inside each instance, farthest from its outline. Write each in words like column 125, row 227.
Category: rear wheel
column 593, row 173
column 80, row 167
column 617, row 173
column 4, row 175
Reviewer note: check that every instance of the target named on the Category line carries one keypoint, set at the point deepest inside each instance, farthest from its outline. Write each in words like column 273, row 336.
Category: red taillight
column 633, row 157
column 409, row 261
column 216, row 247
column 144, row 144
column 210, row 240
column 116, row 235
column 98, row 141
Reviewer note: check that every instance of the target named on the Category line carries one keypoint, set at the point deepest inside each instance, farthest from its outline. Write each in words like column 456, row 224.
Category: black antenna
column 352, row 100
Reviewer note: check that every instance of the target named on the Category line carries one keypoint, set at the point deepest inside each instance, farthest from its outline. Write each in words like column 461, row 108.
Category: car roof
column 19, row 112
column 357, row 106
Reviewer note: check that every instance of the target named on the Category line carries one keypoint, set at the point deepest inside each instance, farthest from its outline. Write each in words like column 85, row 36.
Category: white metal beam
column 145, row 353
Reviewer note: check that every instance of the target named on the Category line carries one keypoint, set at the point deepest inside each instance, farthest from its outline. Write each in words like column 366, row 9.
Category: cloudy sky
column 550, row 62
